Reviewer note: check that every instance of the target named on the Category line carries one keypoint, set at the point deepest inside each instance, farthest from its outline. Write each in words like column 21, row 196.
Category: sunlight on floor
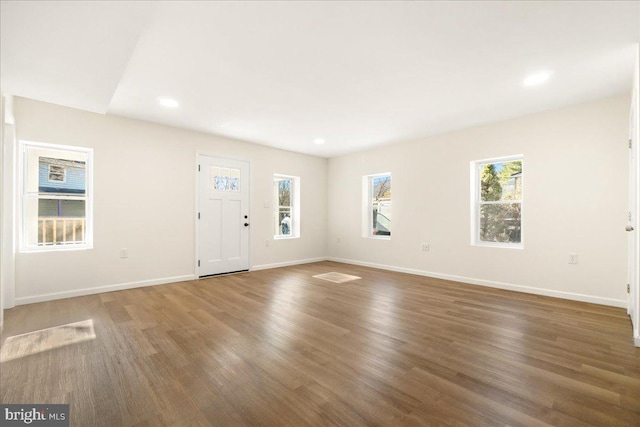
column 30, row 343
column 337, row 277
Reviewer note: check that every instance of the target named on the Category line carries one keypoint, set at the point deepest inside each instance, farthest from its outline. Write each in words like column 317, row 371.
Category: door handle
column 246, row 224
column 628, row 228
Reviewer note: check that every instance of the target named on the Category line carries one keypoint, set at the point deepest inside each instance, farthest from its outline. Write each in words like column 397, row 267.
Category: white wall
column 144, row 184
column 2, row 209
column 575, row 200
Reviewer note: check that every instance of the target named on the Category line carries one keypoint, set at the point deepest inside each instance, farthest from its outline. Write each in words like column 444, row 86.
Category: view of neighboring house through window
column 287, row 206
column 498, row 206
column 377, row 207
column 56, row 195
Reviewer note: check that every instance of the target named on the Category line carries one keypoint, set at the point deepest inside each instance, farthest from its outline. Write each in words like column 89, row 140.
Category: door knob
column 628, row 228
column 246, row 224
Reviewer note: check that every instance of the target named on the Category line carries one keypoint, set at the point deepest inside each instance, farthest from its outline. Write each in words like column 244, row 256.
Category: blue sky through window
column 378, row 180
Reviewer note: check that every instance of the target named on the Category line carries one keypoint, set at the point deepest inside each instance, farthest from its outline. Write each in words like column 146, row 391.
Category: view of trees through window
column 500, row 204
column 381, row 205
column 284, row 225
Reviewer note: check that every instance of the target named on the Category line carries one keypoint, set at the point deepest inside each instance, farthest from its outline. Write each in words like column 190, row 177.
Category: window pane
column 381, row 187
column 501, row 181
column 381, row 218
column 284, row 192
column 59, row 174
column 381, row 205
column 284, row 219
column 55, row 222
column 286, row 206
column 224, row 179
column 500, row 223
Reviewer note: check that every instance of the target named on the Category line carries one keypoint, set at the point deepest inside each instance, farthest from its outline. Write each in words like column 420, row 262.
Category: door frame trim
column 633, row 213
column 197, row 205
column 634, row 294
column 634, row 198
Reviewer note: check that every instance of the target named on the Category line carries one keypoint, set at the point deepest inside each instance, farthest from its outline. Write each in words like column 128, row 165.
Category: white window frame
column 25, row 196
column 294, row 208
column 475, row 169
column 367, row 197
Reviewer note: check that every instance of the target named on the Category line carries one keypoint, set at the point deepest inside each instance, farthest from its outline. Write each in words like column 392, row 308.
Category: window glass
column 225, row 179
column 499, row 204
column 284, row 207
column 287, row 205
column 378, row 205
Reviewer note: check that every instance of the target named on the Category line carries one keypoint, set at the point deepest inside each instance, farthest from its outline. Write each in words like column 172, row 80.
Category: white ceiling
column 358, row 74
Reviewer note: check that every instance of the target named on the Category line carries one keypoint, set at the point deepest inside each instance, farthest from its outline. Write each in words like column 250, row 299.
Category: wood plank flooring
column 280, row 348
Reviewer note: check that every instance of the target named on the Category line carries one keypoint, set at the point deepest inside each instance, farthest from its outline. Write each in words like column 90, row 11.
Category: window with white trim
column 497, row 205
column 286, row 214
column 376, row 206
column 56, row 192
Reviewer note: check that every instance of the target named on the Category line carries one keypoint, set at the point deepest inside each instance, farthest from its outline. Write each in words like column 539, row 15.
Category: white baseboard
column 287, row 263
column 636, row 341
column 131, row 285
column 100, row 289
column 480, row 282
column 508, row 286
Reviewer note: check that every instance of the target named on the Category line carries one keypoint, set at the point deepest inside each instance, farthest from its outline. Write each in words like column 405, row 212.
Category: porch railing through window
column 61, row 231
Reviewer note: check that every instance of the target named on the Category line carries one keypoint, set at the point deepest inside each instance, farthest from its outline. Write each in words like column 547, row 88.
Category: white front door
column 223, row 215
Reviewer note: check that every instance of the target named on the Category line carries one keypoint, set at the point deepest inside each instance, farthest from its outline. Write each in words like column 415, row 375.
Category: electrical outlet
column 425, row 247
column 124, row 253
column 573, row 258
column 267, row 242
column 338, row 240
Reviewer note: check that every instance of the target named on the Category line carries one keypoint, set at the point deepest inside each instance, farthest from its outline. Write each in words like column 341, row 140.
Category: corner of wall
column 7, row 205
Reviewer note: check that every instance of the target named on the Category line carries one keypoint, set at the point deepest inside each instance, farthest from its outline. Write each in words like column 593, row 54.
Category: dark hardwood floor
column 278, row 347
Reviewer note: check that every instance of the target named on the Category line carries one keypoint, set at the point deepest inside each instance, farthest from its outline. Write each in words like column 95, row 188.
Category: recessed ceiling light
column 318, row 141
column 168, row 102
column 537, row 79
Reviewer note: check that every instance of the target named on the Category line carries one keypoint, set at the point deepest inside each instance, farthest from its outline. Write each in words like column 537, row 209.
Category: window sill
column 378, row 237
column 31, row 250
column 285, row 237
column 499, row 245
